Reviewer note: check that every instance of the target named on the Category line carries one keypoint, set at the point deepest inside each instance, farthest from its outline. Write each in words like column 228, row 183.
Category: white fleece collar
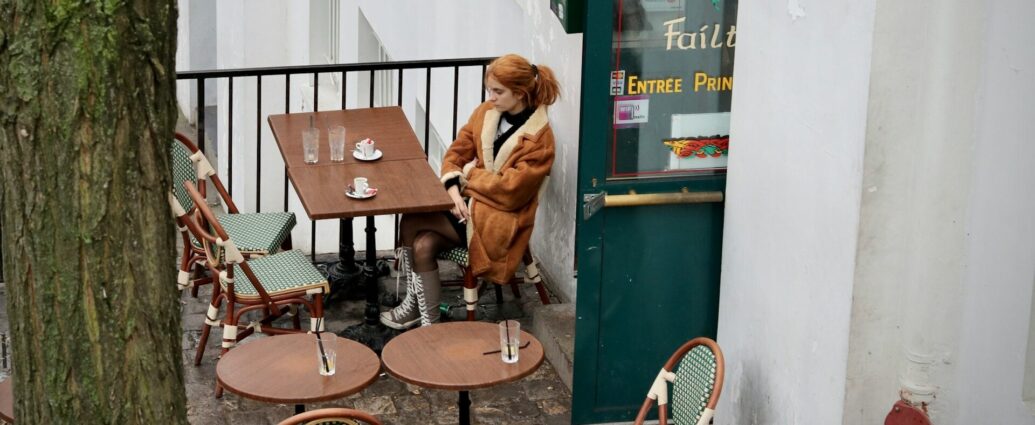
column 530, row 128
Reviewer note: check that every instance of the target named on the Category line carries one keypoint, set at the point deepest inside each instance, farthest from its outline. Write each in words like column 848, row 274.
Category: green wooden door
column 657, row 80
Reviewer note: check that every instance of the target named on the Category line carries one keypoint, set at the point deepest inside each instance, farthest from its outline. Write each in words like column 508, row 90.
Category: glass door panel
column 671, row 83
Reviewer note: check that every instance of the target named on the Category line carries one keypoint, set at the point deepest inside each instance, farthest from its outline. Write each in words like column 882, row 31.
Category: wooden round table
column 451, row 356
column 7, row 400
column 284, row 369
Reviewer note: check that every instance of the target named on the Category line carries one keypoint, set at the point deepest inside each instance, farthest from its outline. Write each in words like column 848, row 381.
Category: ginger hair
column 536, row 84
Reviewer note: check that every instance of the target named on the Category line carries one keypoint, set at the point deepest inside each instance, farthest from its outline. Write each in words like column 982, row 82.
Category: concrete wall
column 792, row 209
column 926, row 237
column 196, row 34
column 1000, row 226
column 917, row 183
column 183, row 48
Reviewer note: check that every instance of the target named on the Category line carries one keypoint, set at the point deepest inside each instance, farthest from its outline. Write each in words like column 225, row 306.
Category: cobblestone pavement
column 538, row 399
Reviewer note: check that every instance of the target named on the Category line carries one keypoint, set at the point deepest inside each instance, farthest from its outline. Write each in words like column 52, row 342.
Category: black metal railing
column 202, row 77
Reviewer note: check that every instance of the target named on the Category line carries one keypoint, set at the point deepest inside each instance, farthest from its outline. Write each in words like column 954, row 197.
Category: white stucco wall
column 183, row 48
column 917, row 183
column 476, row 28
column 792, row 209
column 1000, row 225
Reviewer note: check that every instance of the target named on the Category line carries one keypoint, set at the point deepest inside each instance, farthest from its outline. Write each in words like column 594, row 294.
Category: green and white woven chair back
column 256, row 234
column 182, row 170
column 456, row 255
column 695, row 381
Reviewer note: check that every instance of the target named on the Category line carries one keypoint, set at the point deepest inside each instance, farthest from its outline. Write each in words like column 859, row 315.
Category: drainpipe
column 916, row 391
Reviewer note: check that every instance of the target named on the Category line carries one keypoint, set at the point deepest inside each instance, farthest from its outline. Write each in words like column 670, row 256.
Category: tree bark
column 87, row 113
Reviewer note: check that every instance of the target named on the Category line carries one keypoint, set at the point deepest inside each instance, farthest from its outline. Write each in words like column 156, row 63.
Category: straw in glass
column 319, row 343
column 510, row 353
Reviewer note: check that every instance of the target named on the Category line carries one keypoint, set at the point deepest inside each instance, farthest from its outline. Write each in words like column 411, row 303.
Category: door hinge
column 591, row 203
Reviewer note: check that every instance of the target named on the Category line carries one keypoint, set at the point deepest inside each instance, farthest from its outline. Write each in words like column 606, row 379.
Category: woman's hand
column 459, row 209
column 469, row 166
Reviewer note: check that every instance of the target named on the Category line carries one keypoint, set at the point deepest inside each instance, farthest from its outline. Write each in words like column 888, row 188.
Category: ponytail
column 546, row 90
column 536, row 83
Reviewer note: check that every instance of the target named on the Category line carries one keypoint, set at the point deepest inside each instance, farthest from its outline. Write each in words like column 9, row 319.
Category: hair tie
column 535, row 70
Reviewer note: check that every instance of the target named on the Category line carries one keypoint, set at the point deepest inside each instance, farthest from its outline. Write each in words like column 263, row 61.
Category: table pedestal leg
column 371, row 332
column 299, row 408
column 345, row 274
column 465, row 408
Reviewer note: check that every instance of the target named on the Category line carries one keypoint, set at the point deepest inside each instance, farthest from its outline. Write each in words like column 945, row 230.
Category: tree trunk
column 86, row 117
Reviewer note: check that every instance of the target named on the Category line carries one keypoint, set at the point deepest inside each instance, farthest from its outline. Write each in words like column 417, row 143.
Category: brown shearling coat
column 504, row 190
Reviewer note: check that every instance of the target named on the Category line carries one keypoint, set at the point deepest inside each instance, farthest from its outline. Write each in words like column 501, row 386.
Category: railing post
column 230, row 141
column 400, row 102
column 258, row 143
column 456, row 95
column 201, row 114
column 427, row 110
column 287, row 110
column 371, row 102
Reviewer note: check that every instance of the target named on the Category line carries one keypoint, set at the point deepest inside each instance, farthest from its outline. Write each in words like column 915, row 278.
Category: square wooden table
column 403, row 177
column 388, row 127
column 403, row 186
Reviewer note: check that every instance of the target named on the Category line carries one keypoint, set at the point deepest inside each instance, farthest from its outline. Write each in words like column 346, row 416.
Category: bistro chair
column 472, row 291
column 695, row 371
column 273, row 285
column 256, row 234
column 331, row 416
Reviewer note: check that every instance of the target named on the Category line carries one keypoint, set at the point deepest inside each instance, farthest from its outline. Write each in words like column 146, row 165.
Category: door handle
column 593, row 202
column 684, row 196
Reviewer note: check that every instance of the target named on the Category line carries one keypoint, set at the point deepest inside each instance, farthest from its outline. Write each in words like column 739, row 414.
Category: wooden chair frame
column 670, row 366
column 330, row 413
column 272, row 306
column 470, row 284
column 193, row 257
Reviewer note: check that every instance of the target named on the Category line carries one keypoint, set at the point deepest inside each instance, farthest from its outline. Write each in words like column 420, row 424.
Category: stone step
column 554, row 325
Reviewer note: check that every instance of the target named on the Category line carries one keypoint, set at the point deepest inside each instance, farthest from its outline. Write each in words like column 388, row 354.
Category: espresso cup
column 366, row 148
column 361, row 185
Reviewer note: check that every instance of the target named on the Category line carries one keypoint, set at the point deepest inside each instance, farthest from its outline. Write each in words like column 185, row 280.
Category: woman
column 499, row 160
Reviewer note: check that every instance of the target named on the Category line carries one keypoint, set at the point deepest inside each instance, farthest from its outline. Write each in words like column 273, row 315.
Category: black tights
column 428, row 234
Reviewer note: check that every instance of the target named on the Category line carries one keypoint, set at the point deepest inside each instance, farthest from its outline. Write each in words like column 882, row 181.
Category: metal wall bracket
column 591, row 203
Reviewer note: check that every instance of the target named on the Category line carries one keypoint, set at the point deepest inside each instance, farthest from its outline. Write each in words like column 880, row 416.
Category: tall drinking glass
column 510, row 340
column 336, row 139
column 326, row 352
column 311, row 145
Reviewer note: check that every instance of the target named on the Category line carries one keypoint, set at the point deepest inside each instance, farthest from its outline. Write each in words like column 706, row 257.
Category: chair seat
column 281, row 273
column 457, row 255
column 255, row 234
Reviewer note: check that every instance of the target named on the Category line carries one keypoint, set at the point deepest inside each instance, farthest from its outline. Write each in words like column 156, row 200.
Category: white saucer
column 371, row 192
column 376, row 156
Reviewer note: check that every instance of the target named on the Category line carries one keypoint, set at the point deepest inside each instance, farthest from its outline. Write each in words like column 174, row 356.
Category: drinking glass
column 326, row 352
column 336, row 139
column 510, row 340
column 311, row 145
